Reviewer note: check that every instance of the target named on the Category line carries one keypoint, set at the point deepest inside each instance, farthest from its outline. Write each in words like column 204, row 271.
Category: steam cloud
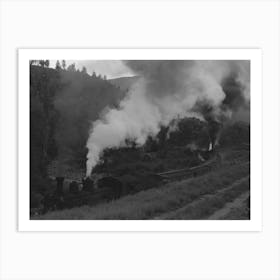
column 169, row 90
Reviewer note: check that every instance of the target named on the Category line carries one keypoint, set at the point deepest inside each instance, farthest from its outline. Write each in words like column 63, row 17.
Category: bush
column 159, row 168
column 39, row 183
column 36, row 200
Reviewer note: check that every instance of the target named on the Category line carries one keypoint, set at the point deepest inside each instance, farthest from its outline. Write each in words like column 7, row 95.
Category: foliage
column 234, row 134
column 72, row 68
column 43, row 85
column 84, row 70
column 63, row 105
column 63, row 63
column 58, row 65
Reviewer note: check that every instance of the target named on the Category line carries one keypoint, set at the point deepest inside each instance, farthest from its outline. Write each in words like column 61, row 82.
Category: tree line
column 61, row 65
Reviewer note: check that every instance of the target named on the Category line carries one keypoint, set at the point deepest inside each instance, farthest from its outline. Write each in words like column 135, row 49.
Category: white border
column 254, row 55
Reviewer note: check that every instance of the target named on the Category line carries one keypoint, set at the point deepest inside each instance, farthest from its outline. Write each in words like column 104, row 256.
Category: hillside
column 124, row 83
column 63, row 106
column 79, row 103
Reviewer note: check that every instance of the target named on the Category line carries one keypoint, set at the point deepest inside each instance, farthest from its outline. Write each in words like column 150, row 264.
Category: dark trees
column 84, row 70
column 63, row 64
column 57, row 65
column 71, row 67
column 43, row 85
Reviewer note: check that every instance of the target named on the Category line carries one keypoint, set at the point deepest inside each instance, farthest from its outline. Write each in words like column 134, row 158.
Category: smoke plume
column 168, row 90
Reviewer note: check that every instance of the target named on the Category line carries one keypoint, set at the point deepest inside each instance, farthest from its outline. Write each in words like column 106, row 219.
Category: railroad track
column 201, row 169
column 192, row 171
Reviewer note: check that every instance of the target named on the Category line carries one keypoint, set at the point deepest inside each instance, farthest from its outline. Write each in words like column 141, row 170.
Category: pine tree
column 42, row 63
column 71, row 67
column 57, row 65
column 84, row 70
column 63, row 64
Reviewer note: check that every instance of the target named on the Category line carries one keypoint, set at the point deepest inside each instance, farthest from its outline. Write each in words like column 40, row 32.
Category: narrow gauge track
column 201, row 169
column 191, row 171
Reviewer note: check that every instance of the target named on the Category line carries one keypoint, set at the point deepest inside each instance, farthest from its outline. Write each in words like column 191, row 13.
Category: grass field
column 199, row 197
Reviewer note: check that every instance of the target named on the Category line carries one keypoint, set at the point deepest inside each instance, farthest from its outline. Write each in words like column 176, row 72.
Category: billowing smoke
column 77, row 102
column 168, row 90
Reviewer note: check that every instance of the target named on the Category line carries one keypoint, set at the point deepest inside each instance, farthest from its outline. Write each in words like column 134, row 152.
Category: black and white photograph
column 139, row 139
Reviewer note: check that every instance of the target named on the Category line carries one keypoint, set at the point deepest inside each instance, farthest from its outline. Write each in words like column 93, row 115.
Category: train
column 91, row 192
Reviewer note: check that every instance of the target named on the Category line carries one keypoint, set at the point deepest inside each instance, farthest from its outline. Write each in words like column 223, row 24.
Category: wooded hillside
column 63, row 105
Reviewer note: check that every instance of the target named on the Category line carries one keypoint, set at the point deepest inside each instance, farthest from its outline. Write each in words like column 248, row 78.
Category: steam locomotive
column 91, row 192
column 85, row 192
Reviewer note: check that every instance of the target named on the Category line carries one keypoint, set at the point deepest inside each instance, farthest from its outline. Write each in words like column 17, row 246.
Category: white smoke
column 166, row 91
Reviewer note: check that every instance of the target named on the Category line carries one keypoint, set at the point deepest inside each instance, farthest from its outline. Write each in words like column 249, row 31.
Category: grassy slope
column 240, row 213
column 206, row 205
column 154, row 202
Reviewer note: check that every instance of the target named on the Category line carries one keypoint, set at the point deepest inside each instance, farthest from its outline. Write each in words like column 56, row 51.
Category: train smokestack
column 214, row 128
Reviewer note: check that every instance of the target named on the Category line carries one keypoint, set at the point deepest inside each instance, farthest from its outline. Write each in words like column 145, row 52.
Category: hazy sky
column 110, row 68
